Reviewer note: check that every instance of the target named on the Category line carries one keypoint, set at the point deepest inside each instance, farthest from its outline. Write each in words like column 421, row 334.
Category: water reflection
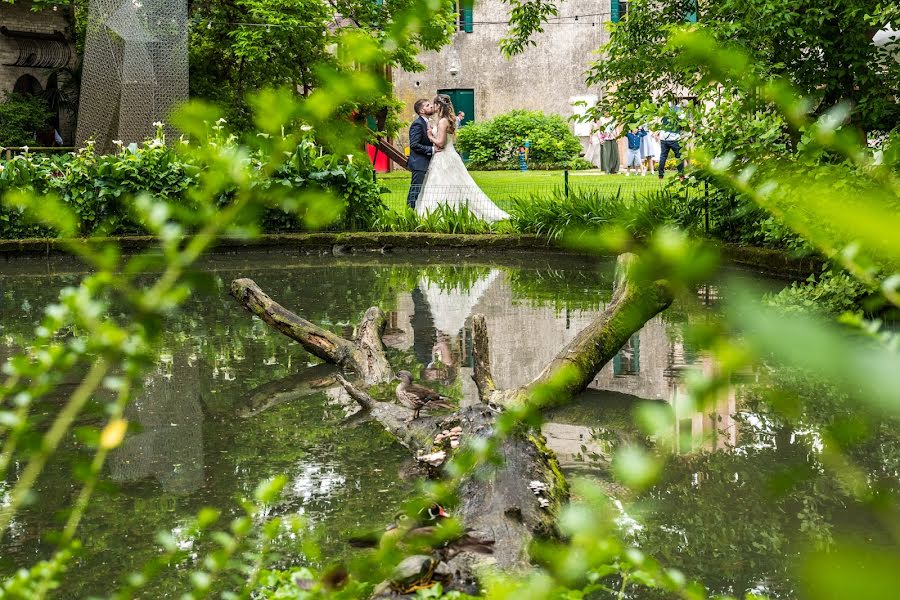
column 169, row 447
column 436, row 321
column 232, row 402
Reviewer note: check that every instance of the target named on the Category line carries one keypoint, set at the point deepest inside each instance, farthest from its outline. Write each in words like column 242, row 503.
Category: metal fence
column 502, row 193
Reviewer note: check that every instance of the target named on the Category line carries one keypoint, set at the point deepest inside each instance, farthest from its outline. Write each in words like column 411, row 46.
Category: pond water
column 231, row 403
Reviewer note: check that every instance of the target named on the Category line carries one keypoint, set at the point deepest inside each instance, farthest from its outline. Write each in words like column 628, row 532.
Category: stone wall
column 545, row 77
column 20, row 17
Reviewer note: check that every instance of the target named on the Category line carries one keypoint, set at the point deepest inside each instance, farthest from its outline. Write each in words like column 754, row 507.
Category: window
column 691, row 14
column 464, row 15
column 617, row 10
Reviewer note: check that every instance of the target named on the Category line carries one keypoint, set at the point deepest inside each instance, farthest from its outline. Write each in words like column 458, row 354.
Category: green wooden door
column 463, row 100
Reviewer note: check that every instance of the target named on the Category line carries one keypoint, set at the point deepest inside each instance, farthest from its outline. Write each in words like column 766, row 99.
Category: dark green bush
column 832, row 293
column 498, row 140
column 20, row 117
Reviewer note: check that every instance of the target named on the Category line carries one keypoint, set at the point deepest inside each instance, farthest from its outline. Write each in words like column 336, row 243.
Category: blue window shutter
column 614, row 11
column 691, row 15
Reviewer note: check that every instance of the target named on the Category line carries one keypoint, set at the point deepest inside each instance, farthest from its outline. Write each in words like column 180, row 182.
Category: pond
column 231, row 403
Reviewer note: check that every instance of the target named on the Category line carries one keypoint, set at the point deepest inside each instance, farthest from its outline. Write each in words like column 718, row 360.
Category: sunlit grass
column 503, row 186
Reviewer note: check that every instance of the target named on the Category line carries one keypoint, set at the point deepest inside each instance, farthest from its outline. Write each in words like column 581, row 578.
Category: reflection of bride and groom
column 441, row 337
column 439, row 176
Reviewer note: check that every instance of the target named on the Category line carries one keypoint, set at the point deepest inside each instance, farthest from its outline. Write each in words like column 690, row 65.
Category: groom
column 420, row 150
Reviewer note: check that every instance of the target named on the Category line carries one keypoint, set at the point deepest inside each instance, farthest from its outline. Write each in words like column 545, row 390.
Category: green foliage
column 231, row 55
column 498, row 140
column 846, row 66
column 442, row 220
column 832, row 294
column 576, row 164
column 102, row 332
column 555, row 215
column 20, row 117
column 98, row 189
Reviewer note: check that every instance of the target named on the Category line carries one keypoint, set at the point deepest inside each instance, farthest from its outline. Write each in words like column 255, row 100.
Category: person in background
column 592, row 154
column 633, row 161
column 649, row 149
column 609, row 149
column 459, row 118
column 670, row 139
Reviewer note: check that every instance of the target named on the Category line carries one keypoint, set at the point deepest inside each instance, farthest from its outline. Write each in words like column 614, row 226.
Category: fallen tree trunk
column 518, row 500
column 363, row 356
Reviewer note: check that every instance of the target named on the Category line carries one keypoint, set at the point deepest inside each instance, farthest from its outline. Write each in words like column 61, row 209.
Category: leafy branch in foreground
column 109, row 349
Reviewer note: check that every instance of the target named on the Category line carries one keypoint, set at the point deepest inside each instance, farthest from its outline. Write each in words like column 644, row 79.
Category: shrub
column 576, row 164
column 20, row 117
column 555, row 215
column 498, row 140
column 442, row 220
column 98, row 187
column 833, row 293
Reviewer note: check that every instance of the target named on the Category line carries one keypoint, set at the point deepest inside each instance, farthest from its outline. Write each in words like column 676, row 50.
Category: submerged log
column 518, row 500
column 288, row 389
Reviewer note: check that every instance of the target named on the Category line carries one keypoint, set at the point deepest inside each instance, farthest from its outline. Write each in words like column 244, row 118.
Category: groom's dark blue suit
column 420, row 153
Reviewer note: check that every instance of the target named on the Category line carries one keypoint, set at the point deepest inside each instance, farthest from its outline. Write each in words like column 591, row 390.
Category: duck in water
column 417, row 397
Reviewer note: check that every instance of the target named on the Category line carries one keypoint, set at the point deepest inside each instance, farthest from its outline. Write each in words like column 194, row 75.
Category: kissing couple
column 439, row 177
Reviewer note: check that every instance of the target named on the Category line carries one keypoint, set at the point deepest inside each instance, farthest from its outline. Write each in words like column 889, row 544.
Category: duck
column 417, row 397
column 424, row 528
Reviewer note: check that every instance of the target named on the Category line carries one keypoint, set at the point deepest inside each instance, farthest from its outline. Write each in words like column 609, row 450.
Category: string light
column 560, row 20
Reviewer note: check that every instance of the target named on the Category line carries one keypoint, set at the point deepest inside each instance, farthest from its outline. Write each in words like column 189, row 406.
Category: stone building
column 549, row 76
column 34, row 46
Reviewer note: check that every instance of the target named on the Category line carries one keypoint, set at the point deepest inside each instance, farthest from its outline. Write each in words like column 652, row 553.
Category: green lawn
column 502, row 186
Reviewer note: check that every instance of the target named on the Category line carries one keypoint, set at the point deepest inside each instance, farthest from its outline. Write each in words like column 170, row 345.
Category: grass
column 503, row 187
column 552, row 215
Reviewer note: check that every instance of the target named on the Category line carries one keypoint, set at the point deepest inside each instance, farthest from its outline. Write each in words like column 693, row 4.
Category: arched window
column 27, row 85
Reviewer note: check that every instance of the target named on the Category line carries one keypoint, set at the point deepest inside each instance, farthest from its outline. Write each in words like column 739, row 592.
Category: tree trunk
column 364, row 356
column 518, row 500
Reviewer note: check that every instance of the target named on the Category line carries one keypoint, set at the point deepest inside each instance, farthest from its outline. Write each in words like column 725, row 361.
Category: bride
column 448, row 181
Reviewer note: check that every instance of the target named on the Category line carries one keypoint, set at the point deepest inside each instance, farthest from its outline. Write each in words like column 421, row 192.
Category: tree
column 230, row 55
column 824, row 49
column 240, row 46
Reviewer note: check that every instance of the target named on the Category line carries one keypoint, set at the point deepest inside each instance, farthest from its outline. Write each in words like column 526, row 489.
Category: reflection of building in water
column 576, row 446
column 169, row 446
column 436, row 323
column 713, row 428
column 640, row 366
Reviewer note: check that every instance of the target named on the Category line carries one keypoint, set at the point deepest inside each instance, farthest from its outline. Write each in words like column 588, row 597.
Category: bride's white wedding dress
column 448, row 183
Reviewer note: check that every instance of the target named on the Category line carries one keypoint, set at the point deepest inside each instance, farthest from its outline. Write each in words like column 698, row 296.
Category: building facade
column 548, row 76
column 34, row 46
